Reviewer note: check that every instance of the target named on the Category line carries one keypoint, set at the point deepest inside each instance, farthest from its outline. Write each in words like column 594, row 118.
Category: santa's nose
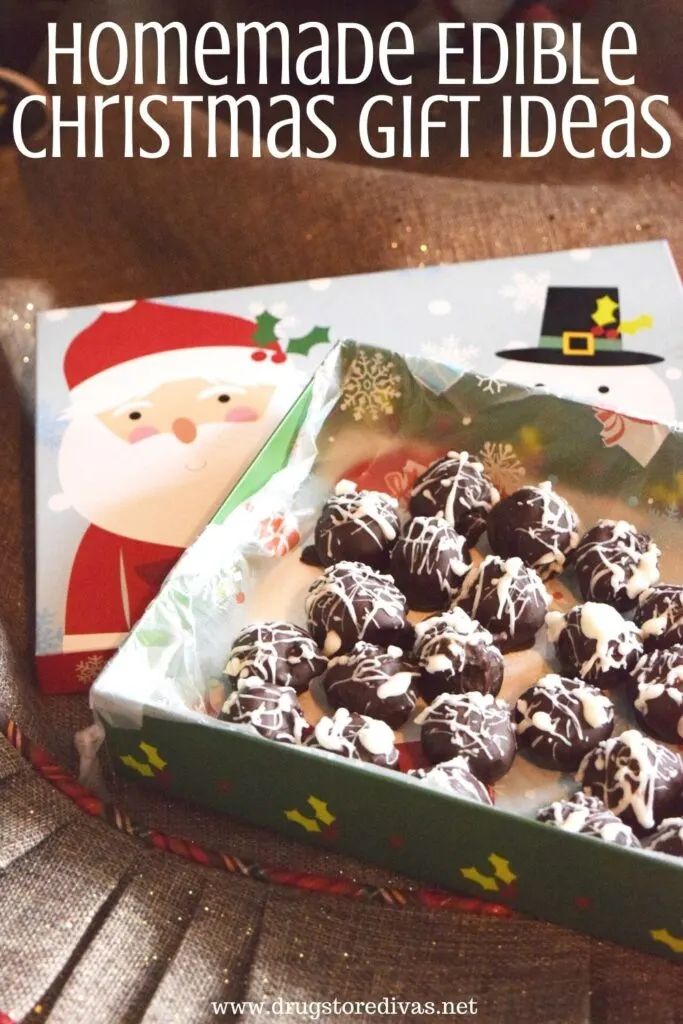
column 184, row 429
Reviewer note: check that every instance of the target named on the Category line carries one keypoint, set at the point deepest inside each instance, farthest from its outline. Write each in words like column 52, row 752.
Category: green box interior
column 630, row 897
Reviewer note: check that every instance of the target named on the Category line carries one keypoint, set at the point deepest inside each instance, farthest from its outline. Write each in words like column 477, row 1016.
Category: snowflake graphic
column 49, row 428
column 88, row 668
column 527, row 291
column 502, row 466
column 452, row 351
column 491, row 385
column 370, row 387
column 48, row 635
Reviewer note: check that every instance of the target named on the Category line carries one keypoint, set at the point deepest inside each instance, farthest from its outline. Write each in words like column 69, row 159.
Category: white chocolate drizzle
column 660, row 614
column 627, row 772
column 613, row 553
column 561, row 711
column 344, row 732
column 455, row 778
column 272, row 711
column 589, row 816
column 271, row 651
column 432, row 553
column 659, row 678
column 554, row 534
column 443, row 642
column 455, row 487
column 349, row 512
column 476, row 723
column 349, row 599
column 614, row 640
column 669, row 833
column 512, row 587
column 370, row 673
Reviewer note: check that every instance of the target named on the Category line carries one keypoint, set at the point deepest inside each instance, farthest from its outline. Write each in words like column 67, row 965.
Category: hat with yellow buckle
column 582, row 326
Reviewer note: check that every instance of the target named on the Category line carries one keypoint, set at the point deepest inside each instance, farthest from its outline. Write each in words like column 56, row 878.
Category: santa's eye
column 603, row 389
column 224, row 398
column 134, row 415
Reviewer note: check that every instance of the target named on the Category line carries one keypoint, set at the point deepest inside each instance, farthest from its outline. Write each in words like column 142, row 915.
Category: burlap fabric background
column 93, row 927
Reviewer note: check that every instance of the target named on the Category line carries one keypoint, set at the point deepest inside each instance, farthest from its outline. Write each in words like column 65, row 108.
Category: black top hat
column 581, row 326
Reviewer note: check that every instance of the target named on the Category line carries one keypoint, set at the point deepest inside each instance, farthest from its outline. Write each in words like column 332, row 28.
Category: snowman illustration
column 581, row 355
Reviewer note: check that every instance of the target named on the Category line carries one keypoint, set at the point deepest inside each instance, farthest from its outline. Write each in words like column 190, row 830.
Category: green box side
column 384, row 818
column 381, row 817
column 272, row 457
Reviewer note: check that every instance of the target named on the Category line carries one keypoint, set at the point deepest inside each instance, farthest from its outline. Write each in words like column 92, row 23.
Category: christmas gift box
column 148, row 412
column 376, row 418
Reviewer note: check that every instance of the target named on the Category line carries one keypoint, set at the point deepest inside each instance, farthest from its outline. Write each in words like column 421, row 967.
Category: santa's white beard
column 158, row 490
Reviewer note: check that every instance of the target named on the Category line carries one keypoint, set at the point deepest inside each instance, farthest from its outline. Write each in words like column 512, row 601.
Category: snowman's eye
column 539, row 385
column 603, row 389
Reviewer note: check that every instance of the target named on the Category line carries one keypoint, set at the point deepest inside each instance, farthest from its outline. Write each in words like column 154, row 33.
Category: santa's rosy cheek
column 241, row 414
column 141, row 434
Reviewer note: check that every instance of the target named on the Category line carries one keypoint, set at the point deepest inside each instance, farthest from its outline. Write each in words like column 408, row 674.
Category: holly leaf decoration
column 265, row 329
column 302, row 346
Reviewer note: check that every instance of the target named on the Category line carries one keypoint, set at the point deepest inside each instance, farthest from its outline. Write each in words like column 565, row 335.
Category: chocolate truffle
column 615, row 564
column 275, row 652
column 536, row 525
column 357, row 737
column 273, row 711
column 588, row 816
column 356, row 526
column 429, row 563
column 660, row 616
column 668, row 838
column 455, row 778
column 456, row 655
column 595, row 642
column 373, row 682
column 351, row 602
column 508, row 599
column 474, row 725
column 456, row 488
column 659, row 694
column 638, row 779
column 559, row 720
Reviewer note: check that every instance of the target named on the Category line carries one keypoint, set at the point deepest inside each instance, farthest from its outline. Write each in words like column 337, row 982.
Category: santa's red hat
column 127, row 354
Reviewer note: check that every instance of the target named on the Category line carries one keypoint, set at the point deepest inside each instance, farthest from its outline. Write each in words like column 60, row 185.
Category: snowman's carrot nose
column 184, row 429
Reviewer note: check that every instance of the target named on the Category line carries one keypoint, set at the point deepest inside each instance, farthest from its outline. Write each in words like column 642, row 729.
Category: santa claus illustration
column 167, row 407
